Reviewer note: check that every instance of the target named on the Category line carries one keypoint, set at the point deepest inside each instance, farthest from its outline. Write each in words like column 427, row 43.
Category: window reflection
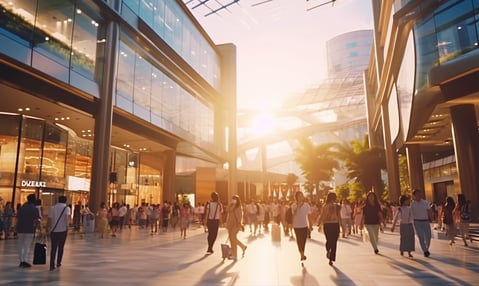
column 147, row 92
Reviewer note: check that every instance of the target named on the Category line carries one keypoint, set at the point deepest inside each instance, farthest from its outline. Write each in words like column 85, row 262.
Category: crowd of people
column 297, row 217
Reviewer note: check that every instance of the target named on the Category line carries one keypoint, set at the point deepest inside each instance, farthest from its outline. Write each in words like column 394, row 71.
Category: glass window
column 8, row 148
column 53, row 29
column 125, row 77
column 426, row 50
column 54, row 156
column 17, row 20
column 88, row 43
column 133, row 4
column 142, row 87
column 455, row 33
column 29, row 163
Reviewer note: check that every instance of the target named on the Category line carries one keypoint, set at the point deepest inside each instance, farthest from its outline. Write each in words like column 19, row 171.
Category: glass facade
column 64, row 39
column 171, row 23
column 144, row 90
column 448, row 33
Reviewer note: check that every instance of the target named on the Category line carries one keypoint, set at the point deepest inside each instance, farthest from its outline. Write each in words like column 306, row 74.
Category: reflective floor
column 135, row 257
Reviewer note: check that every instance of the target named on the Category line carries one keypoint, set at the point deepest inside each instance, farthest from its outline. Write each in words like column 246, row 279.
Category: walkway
column 137, row 258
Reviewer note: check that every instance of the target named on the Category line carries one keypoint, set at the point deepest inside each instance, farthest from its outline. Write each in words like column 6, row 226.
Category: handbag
column 40, row 251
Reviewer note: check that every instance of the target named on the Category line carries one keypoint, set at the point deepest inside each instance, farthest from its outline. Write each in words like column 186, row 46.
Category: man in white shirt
column 122, row 213
column 58, row 226
column 421, row 212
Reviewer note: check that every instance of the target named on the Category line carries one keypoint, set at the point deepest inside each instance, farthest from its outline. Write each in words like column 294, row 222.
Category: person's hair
column 214, row 196
column 31, row 198
column 237, row 198
column 330, row 197
column 450, row 202
column 403, row 199
column 415, row 191
column 297, row 194
column 62, row 199
column 372, row 193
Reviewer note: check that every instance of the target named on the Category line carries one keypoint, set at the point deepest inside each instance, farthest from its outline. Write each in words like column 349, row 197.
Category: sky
column 281, row 44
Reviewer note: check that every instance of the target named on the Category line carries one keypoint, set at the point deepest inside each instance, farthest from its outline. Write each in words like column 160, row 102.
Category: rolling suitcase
column 225, row 250
column 275, row 232
column 40, row 253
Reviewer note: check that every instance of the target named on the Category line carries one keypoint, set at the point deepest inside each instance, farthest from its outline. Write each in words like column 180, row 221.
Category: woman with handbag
column 234, row 224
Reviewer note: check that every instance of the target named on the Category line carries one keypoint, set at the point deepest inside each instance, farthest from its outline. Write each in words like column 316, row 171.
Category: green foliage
column 364, row 164
column 404, row 175
column 317, row 162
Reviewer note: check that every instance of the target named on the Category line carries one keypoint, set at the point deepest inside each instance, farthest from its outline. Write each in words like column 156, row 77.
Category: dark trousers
column 301, row 235
column 212, row 225
column 331, row 231
column 58, row 243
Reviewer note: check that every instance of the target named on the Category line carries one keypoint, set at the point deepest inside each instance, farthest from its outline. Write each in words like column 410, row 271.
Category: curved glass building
column 422, row 94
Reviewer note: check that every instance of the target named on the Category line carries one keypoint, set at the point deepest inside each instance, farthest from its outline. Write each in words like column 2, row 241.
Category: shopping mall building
column 106, row 101
column 423, row 94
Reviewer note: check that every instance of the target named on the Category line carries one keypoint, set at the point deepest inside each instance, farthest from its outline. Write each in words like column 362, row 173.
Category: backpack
column 465, row 216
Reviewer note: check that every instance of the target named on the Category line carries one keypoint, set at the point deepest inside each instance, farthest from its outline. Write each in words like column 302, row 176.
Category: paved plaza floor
column 135, row 257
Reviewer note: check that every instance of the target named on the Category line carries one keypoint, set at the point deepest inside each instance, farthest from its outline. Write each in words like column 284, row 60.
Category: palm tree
column 291, row 179
column 317, row 162
column 364, row 164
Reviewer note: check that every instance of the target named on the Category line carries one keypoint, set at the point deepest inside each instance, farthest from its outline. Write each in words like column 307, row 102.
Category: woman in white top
column 406, row 228
column 301, row 222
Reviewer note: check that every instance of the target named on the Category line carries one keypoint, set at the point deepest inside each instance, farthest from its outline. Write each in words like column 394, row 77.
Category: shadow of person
column 187, row 264
column 341, row 278
column 216, row 275
column 305, row 279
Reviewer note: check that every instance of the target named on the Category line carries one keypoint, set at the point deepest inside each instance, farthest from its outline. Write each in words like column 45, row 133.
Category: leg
column 62, row 237
column 54, row 236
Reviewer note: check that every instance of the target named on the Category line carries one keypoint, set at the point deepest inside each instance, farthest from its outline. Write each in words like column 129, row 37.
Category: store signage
column 35, row 184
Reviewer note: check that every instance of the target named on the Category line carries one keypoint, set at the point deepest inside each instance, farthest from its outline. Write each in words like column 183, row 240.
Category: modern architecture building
column 422, row 94
column 108, row 100
column 332, row 111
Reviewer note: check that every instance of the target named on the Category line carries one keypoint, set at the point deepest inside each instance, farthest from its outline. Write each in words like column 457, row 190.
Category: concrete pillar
column 228, row 92
column 103, row 121
column 169, row 175
column 466, row 142
column 414, row 165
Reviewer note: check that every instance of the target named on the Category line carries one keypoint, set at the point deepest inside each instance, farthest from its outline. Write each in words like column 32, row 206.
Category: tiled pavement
column 137, row 258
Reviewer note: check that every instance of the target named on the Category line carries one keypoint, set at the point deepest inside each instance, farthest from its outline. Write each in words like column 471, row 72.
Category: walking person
column 301, row 222
column 185, row 216
column 234, row 223
column 463, row 209
column 422, row 213
column 213, row 215
column 406, row 228
column 331, row 220
column 28, row 220
column 58, row 226
column 372, row 219
column 449, row 220
column 102, row 221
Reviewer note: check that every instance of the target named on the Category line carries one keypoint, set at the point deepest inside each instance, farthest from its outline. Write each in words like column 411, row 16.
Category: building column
column 414, row 166
column 228, row 92
column 466, row 142
column 169, row 176
column 392, row 162
column 103, row 121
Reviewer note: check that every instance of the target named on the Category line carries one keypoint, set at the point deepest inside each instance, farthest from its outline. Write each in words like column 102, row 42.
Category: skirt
column 407, row 242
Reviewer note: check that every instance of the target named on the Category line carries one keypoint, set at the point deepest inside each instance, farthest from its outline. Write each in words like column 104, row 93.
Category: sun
column 263, row 123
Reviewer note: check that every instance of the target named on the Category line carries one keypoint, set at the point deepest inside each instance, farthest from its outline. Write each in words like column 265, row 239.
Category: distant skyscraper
column 349, row 52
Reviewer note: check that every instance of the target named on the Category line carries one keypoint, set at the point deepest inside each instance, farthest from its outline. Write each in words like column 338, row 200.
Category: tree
column 317, row 162
column 364, row 164
column 291, row 179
